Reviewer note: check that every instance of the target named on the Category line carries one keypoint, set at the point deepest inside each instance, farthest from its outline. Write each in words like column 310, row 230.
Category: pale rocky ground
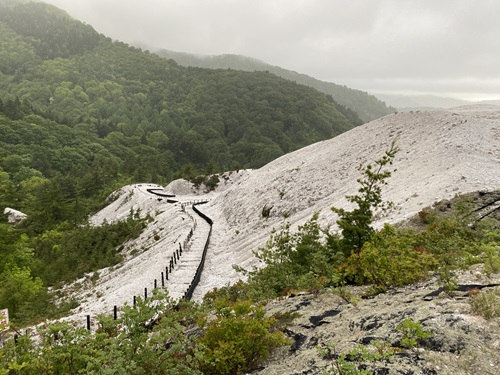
column 14, row 216
column 461, row 343
column 442, row 154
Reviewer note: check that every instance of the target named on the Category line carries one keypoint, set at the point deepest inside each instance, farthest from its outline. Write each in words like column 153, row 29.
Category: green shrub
column 453, row 241
column 212, row 182
column 238, row 339
column 413, row 333
column 293, row 261
column 130, row 345
column 491, row 257
column 343, row 292
column 384, row 350
column 351, row 363
column 227, row 294
column 391, row 259
column 487, row 303
column 427, row 216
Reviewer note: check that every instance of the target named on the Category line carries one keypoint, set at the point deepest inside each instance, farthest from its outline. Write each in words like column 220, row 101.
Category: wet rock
column 298, row 339
column 328, row 327
column 319, row 319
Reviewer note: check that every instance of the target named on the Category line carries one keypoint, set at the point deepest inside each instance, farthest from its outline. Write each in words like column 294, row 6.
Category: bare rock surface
column 461, row 342
column 14, row 216
column 226, row 180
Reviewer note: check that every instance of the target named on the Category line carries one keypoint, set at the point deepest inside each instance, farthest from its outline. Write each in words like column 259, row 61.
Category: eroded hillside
column 442, row 154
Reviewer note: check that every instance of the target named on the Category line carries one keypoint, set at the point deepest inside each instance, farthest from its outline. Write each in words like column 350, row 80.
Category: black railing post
column 115, row 313
column 88, row 322
column 162, row 280
column 145, row 294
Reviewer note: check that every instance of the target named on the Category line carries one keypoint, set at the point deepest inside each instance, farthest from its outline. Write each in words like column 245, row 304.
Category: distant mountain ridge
column 367, row 106
column 426, row 102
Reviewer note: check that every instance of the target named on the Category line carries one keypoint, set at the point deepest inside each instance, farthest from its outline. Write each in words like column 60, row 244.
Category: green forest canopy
column 81, row 115
column 364, row 105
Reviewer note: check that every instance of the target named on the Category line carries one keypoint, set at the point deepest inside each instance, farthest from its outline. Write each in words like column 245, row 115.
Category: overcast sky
column 445, row 47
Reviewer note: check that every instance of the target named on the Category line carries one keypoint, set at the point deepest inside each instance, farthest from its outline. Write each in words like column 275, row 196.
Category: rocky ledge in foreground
column 461, row 342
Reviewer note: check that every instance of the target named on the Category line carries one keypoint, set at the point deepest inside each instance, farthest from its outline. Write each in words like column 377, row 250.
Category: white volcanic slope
column 442, row 154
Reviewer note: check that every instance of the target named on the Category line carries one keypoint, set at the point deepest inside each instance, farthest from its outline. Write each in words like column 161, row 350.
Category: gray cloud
column 445, row 47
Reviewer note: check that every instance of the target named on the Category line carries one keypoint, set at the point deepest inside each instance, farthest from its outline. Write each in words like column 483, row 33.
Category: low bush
column 413, row 333
column 487, row 303
column 153, row 337
column 239, row 338
column 293, row 261
column 356, row 361
column 490, row 251
column 391, row 259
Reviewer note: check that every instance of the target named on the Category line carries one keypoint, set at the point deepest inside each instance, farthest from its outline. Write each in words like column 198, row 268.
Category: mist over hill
column 426, row 102
column 368, row 107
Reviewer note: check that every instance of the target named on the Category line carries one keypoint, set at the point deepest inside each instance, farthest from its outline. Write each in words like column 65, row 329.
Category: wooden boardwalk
column 184, row 271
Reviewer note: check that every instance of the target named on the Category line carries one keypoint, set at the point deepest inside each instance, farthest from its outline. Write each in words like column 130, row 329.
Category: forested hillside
column 81, row 115
column 366, row 106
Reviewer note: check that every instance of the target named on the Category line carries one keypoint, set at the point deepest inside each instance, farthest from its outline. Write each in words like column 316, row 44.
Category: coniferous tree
column 355, row 225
